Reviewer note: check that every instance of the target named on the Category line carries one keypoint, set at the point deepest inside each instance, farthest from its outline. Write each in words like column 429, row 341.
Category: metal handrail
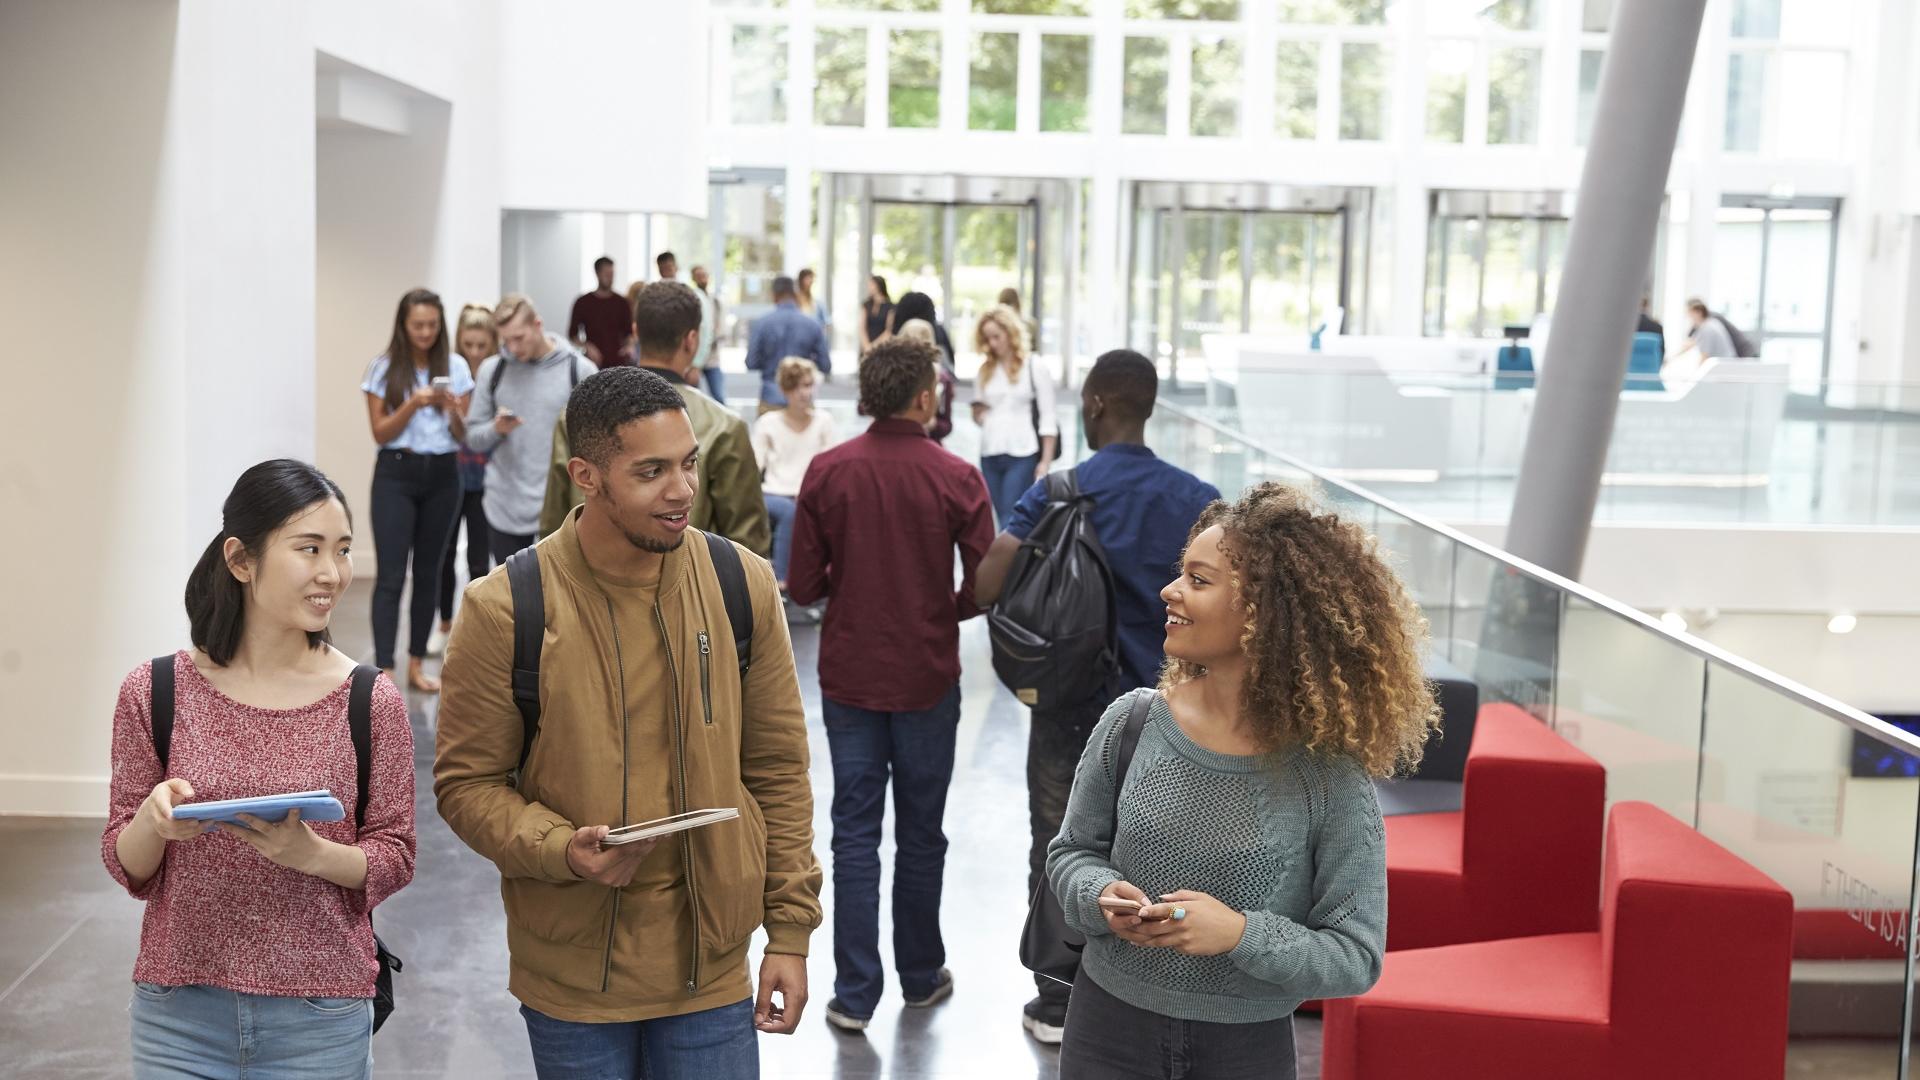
column 1868, row 725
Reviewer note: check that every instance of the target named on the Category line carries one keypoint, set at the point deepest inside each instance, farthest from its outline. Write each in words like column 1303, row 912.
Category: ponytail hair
column 265, row 497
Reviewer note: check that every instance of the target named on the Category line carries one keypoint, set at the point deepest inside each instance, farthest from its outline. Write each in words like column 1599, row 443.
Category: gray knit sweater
column 1294, row 840
column 537, row 392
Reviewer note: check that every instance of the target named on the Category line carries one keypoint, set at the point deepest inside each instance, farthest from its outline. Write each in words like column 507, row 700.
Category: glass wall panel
column 1144, row 95
column 1210, row 281
column 1449, row 64
column 1737, row 264
column 993, row 82
column 1811, row 105
column 1216, row 10
column 1337, row 12
column 1030, row 7
column 986, row 259
column 1596, row 16
column 759, row 74
column 1364, row 94
column 879, row 5
column 1216, row 87
column 909, row 242
column 1513, row 97
column 913, row 79
column 1799, row 249
column 1746, row 100
column 755, row 214
column 1506, row 631
column 1511, row 293
column 1296, row 89
column 1066, row 64
column 840, row 76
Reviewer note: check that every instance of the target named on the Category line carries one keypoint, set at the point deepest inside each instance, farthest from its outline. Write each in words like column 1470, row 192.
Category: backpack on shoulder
column 360, row 723
column 530, row 624
column 1055, row 631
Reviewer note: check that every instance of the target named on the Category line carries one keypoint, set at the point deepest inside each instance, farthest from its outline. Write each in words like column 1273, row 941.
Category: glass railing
column 1732, row 442
column 1818, row 795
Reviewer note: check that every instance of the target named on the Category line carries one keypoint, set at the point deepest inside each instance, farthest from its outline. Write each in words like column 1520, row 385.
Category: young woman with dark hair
column 256, row 951
column 1246, row 870
column 417, row 395
column 877, row 309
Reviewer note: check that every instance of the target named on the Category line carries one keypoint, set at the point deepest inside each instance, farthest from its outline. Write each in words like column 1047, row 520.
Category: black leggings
column 416, row 498
column 473, row 512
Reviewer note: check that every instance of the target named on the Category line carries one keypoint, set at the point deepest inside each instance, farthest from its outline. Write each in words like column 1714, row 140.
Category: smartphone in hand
column 1120, row 905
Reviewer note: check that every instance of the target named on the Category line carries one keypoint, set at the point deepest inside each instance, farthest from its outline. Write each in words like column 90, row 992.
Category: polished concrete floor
column 68, row 936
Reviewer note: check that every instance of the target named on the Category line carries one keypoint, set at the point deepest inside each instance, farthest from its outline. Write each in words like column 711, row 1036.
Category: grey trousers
column 1108, row 1039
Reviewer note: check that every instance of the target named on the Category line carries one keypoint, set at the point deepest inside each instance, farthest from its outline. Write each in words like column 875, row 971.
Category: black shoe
column 1045, row 1021
column 941, row 991
column 839, row 1017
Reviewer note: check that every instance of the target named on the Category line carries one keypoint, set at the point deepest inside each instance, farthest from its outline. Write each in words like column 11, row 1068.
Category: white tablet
column 692, row 819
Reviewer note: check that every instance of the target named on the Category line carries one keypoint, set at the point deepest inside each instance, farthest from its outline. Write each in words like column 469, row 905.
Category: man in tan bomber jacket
column 619, row 951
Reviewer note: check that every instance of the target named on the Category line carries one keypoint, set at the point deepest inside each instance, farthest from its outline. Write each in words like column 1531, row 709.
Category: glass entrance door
column 960, row 255
column 1773, row 278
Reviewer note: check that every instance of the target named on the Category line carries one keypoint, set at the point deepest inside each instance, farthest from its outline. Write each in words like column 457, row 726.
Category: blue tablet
column 313, row 806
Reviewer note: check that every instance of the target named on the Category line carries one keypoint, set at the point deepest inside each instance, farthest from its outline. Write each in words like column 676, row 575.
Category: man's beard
column 648, row 544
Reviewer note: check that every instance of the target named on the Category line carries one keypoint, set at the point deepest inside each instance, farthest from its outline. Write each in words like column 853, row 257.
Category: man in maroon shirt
column 601, row 319
column 875, row 528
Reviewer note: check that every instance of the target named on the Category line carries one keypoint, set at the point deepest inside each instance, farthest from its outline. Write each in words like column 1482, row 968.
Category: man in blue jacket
column 785, row 331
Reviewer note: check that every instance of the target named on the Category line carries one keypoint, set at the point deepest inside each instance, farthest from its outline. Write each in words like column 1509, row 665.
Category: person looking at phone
column 416, row 395
column 1247, row 825
column 255, row 948
column 525, row 387
column 632, row 951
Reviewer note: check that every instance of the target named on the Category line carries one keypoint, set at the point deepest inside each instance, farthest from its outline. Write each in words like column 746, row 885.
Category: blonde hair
column 633, row 293
column 917, row 330
column 1010, row 324
column 512, row 306
column 793, row 371
column 478, row 317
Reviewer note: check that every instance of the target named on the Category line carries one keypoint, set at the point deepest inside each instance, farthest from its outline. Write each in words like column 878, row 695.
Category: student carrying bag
column 360, row 723
column 1054, row 631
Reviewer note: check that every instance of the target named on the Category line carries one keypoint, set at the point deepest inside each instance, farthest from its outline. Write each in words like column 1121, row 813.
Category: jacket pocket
column 574, row 913
column 706, row 677
column 733, row 867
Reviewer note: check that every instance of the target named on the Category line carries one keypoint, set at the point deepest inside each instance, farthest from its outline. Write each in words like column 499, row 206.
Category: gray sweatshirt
column 537, row 393
column 1292, row 840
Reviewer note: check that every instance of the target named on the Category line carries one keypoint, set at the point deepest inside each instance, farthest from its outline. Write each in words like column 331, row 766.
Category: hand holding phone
column 1144, row 911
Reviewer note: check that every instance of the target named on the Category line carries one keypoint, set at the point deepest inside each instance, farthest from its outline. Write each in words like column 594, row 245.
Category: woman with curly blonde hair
column 1013, row 404
column 1246, row 870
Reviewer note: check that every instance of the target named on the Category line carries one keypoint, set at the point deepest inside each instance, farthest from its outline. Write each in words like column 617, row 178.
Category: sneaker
column 1046, row 1022
column 437, row 641
column 839, row 1017
column 941, row 991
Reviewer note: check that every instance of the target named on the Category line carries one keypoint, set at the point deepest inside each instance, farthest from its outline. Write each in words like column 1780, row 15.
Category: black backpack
column 360, row 723
column 1054, row 630
column 530, row 624
column 500, row 371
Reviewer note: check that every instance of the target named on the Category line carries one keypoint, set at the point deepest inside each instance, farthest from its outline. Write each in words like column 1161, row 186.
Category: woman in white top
column 784, row 443
column 1013, row 404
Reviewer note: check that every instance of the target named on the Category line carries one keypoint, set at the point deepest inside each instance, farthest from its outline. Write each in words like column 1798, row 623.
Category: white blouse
column 784, row 453
column 1008, row 426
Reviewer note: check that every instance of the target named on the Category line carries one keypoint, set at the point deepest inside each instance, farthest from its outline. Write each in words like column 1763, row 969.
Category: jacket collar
column 897, row 426
column 667, row 373
column 563, row 548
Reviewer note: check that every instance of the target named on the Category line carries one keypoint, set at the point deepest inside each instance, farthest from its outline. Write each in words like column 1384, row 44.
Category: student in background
column 1013, row 404
column 1294, row 679
column 918, row 305
column 476, row 339
column 712, row 379
column 417, row 393
column 803, row 296
column 785, row 443
column 785, row 331
column 256, row 952
column 875, row 313
column 599, row 321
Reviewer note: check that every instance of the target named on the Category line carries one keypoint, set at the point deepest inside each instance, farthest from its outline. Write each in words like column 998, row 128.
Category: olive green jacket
column 729, row 500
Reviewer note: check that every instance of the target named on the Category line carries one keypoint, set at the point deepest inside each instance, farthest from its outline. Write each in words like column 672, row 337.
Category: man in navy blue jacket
column 785, row 331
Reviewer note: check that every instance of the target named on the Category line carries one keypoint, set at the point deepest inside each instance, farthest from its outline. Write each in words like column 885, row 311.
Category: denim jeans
column 780, row 516
column 916, row 749
column 705, row 1045
column 713, row 381
column 506, row 545
column 1054, row 741
column 479, row 559
column 207, row 1033
column 416, row 501
column 1008, row 478
column 1108, row 1039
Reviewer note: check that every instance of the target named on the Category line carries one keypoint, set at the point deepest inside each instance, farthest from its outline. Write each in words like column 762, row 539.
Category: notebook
column 692, row 819
column 313, row 806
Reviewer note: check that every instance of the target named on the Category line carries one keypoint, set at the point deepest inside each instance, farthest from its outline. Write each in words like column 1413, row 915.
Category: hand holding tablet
column 319, row 805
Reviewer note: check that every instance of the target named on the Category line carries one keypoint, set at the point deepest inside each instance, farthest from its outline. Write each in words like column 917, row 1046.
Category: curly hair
column 1333, row 641
column 893, row 372
column 1010, row 324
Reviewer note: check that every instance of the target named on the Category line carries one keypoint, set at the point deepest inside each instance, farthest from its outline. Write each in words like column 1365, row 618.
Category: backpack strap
column 1129, row 738
column 733, row 587
column 360, row 723
column 529, row 630
column 161, row 709
column 493, row 383
column 1062, row 486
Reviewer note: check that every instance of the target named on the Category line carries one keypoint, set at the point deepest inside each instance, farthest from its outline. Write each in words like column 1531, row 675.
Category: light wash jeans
column 207, row 1033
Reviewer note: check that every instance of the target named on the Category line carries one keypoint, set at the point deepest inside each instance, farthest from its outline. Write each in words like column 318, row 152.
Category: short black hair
column 663, row 314
column 664, row 258
column 892, row 373
column 1126, row 381
column 607, row 400
column 783, row 286
column 604, row 260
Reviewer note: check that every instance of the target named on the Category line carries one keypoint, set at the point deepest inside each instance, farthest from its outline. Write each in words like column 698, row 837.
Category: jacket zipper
column 680, row 761
column 706, row 678
column 620, row 671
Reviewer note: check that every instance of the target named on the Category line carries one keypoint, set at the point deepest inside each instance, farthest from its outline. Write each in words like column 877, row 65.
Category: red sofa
column 1521, row 856
column 1686, row 977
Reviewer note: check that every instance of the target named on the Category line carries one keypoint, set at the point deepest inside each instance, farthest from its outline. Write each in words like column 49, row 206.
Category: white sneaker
column 437, row 642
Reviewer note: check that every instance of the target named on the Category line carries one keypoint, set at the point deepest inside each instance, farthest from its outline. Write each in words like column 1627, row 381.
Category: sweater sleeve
column 136, row 772
column 1080, row 859
column 386, row 834
column 1337, row 950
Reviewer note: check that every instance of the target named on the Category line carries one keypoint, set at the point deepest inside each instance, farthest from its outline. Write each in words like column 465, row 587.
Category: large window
column 1216, row 10
column 1144, row 97
column 913, row 79
column 1215, row 100
column 993, row 82
column 1787, row 77
column 1296, row 90
column 1513, row 96
column 1449, row 76
column 759, row 80
column 1364, row 94
column 1066, row 66
column 840, row 77
column 1493, row 261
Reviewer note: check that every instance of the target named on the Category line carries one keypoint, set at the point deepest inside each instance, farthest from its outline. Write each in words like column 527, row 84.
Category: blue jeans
column 714, row 383
column 1008, row 478
column 780, row 516
column 916, row 749
column 205, row 1032
column 698, row 1046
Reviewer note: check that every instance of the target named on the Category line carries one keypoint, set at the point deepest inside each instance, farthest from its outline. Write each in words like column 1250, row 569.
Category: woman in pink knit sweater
column 257, row 950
